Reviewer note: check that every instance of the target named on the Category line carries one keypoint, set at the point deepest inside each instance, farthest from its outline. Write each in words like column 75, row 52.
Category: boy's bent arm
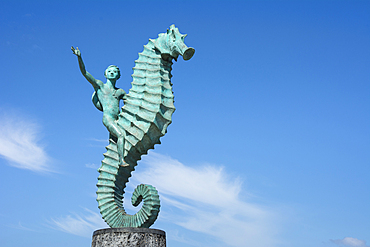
column 121, row 94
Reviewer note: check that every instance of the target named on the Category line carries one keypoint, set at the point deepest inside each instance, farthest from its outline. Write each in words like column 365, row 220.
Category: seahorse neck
column 150, row 58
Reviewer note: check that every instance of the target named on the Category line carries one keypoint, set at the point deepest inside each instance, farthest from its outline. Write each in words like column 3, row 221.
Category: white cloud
column 203, row 199
column 92, row 166
column 20, row 226
column 79, row 225
column 98, row 142
column 19, row 144
column 207, row 200
column 350, row 242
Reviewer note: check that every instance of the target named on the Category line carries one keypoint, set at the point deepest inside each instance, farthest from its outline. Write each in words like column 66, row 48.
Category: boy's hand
column 76, row 51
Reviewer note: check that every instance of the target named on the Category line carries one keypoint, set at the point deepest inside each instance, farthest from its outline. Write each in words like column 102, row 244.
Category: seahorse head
column 171, row 44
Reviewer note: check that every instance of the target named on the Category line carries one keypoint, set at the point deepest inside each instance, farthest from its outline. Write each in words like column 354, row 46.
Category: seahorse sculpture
column 144, row 118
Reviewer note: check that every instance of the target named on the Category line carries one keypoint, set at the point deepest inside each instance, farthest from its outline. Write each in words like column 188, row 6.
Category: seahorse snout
column 185, row 52
column 188, row 53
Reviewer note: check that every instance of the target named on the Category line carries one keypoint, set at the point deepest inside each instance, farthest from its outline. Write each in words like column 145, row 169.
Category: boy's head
column 112, row 72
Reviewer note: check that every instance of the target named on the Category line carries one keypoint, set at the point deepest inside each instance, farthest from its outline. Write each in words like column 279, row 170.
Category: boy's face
column 112, row 73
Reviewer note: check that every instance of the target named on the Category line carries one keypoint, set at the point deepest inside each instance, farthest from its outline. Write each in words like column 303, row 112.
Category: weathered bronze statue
column 143, row 119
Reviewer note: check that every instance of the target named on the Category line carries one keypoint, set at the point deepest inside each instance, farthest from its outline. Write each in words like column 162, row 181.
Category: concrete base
column 129, row 237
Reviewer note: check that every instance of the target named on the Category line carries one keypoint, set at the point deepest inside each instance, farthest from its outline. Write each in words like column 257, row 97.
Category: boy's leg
column 119, row 133
column 121, row 150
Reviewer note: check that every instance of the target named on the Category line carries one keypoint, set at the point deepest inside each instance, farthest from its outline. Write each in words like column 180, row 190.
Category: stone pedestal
column 129, row 237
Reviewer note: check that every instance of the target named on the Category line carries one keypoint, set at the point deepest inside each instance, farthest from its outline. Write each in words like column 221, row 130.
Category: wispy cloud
column 207, row 200
column 20, row 226
column 79, row 225
column 104, row 141
column 350, row 242
column 92, row 166
column 204, row 199
column 19, row 143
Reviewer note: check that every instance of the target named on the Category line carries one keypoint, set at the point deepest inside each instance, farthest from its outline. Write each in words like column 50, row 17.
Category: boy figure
column 106, row 98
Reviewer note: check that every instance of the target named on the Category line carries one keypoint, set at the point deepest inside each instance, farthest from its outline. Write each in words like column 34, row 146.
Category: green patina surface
column 136, row 127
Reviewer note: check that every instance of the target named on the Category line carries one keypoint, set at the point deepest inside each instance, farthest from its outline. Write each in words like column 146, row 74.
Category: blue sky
column 269, row 145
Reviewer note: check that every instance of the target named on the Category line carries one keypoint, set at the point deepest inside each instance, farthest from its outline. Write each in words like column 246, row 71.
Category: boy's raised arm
column 86, row 74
